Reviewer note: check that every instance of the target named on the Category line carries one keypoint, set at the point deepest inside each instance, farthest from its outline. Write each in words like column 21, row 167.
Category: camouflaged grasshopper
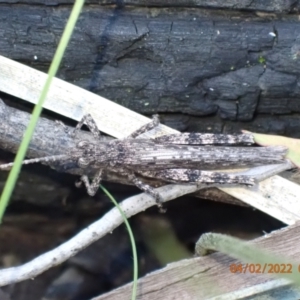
column 179, row 158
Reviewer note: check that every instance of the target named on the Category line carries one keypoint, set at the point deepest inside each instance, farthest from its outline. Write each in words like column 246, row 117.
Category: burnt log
column 224, row 66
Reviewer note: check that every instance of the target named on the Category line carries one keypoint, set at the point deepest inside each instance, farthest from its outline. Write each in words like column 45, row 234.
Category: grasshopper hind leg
column 198, row 176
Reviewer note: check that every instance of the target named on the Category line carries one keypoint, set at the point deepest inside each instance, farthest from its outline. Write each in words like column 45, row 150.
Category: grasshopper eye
column 83, row 162
column 83, row 144
column 112, row 163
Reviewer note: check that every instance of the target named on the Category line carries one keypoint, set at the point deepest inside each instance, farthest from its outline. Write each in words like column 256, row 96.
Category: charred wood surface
column 268, row 5
column 222, row 66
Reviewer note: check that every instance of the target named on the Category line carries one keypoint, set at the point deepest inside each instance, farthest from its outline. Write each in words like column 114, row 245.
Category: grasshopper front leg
column 92, row 187
column 90, row 123
column 147, row 127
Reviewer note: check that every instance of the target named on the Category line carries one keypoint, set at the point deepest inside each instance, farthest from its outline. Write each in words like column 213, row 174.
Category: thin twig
column 105, row 225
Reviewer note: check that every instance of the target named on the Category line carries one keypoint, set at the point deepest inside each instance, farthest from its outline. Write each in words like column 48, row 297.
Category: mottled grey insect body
column 178, row 158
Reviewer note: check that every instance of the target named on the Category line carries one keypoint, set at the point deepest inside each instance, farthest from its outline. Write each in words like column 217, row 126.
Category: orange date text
column 262, row 268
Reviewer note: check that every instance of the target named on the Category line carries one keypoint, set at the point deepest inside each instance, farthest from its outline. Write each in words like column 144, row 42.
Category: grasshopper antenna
column 35, row 160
